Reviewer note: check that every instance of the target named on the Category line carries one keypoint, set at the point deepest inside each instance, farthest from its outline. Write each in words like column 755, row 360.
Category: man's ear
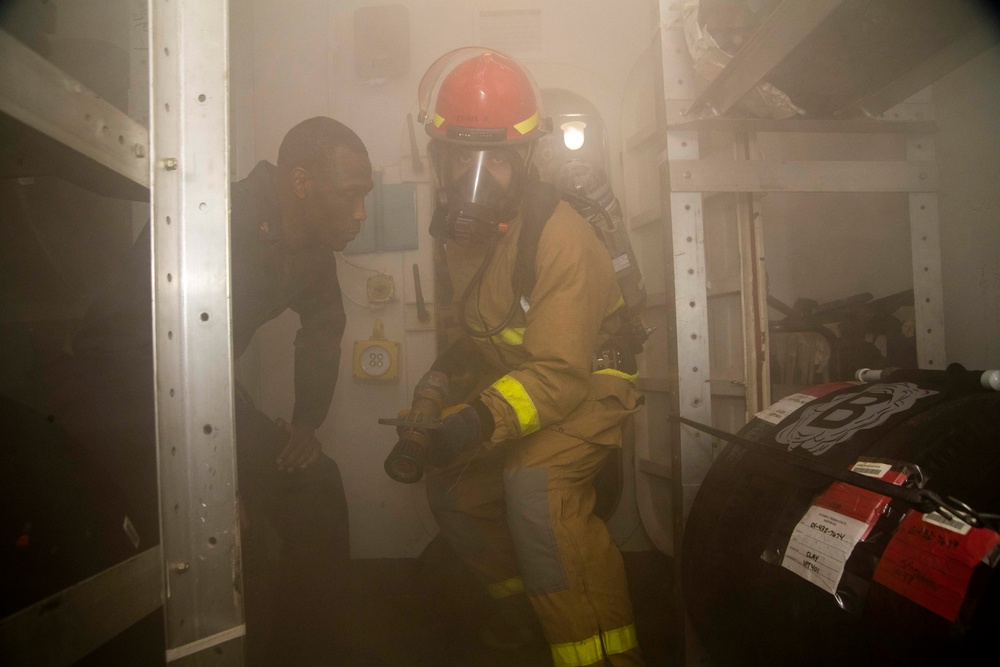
column 300, row 182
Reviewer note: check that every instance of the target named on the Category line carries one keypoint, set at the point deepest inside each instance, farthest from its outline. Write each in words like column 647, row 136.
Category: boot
column 511, row 626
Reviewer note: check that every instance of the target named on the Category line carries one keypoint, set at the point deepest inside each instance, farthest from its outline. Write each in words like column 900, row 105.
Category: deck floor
column 424, row 612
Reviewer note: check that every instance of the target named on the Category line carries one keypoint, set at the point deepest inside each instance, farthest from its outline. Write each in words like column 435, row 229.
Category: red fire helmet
column 480, row 97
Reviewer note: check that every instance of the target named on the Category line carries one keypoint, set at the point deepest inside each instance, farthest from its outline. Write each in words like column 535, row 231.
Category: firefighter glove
column 464, row 426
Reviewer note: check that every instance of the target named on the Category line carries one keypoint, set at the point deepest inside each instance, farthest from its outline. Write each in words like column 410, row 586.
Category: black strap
column 922, row 500
column 540, row 201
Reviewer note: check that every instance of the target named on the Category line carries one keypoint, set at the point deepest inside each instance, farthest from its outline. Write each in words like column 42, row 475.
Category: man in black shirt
column 287, row 222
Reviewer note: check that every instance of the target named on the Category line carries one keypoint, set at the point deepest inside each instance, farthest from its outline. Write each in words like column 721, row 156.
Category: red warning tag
column 861, row 504
column 930, row 561
column 840, row 517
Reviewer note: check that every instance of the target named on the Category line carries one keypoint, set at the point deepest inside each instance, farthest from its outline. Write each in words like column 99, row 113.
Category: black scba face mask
column 473, row 204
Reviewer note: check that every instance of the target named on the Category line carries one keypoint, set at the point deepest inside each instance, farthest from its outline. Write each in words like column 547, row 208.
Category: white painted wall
column 303, row 66
column 820, row 246
column 829, row 246
column 291, row 61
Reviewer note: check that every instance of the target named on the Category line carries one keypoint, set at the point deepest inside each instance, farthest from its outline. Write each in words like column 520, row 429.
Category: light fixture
column 573, row 134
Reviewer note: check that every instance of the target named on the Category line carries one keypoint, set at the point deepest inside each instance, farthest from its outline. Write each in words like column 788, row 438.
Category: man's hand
column 302, row 449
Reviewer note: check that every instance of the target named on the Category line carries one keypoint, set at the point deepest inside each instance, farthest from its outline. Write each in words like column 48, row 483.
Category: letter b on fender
column 849, row 411
column 823, row 424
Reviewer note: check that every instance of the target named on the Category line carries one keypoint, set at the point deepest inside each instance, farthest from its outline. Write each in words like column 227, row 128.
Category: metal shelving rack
column 684, row 117
column 195, row 573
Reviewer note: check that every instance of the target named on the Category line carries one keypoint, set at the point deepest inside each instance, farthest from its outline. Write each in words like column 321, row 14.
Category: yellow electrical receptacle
column 376, row 358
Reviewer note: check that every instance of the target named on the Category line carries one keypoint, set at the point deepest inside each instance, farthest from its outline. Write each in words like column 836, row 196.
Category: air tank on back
column 596, row 201
column 781, row 565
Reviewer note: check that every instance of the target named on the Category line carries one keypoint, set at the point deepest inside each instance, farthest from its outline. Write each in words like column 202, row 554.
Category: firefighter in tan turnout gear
column 512, row 467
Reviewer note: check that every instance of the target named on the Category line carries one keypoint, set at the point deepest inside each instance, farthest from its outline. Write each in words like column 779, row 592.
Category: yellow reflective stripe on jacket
column 513, row 392
column 512, row 336
column 618, row 304
column 505, row 589
column 620, row 640
column 578, row 654
column 617, row 374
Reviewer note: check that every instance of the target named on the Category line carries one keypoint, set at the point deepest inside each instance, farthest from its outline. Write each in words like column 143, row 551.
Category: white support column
column 691, row 453
column 690, row 293
column 691, row 314
column 925, row 239
column 189, row 164
column 925, row 245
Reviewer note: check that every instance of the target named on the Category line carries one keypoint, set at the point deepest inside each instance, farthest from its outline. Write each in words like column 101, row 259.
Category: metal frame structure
column 189, row 160
column 184, row 160
column 687, row 180
column 785, row 30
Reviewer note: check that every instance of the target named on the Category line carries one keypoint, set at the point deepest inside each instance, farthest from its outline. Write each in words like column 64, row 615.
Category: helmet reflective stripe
column 523, row 127
column 528, row 125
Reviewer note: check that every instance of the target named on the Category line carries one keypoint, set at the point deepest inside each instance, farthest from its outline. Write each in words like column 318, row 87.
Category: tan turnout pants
column 521, row 517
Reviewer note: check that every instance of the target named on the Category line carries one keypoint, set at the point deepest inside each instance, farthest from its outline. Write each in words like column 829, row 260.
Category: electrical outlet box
column 380, row 289
column 376, row 358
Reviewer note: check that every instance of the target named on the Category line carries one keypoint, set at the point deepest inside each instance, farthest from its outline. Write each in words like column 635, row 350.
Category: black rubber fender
column 747, row 611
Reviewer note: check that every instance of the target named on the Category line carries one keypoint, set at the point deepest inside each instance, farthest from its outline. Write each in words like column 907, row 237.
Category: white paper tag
column 786, row 406
column 820, row 546
column 871, row 468
column 621, row 262
column 525, row 306
column 133, row 534
column 954, row 525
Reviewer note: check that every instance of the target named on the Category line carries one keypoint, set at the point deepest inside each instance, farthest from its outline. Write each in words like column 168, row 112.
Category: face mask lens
column 479, row 188
column 480, row 177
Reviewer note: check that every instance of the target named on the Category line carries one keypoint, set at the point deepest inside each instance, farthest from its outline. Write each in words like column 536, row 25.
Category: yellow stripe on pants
column 620, row 640
column 578, row 654
column 591, row 650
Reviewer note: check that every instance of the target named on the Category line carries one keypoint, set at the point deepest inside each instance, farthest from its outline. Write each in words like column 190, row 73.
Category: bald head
column 324, row 175
column 312, row 144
